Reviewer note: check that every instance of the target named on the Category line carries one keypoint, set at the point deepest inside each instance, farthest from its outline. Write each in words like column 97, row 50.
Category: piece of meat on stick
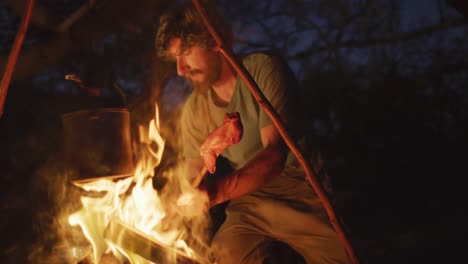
column 226, row 135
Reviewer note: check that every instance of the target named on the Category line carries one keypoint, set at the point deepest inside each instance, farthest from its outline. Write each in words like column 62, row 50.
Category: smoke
column 55, row 198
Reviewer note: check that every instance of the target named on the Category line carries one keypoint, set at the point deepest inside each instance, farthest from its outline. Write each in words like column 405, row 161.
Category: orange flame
column 135, row 202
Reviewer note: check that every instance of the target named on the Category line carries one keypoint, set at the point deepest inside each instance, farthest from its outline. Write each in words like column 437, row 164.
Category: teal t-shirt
column 201, row 115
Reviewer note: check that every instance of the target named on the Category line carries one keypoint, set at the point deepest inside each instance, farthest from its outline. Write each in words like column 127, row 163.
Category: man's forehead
column 174, row 46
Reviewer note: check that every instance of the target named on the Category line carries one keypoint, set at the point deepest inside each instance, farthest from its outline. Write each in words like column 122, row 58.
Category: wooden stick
column 198, row 178
column 14, row 54
column 271, row 112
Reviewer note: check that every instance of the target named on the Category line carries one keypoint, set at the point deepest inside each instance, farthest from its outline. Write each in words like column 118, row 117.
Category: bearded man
column 269, row 197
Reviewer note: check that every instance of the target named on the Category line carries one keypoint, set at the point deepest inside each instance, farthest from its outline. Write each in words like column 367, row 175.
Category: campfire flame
column 171, row 217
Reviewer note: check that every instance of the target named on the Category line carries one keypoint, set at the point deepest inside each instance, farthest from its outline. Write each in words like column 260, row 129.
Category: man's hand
column 207, row 187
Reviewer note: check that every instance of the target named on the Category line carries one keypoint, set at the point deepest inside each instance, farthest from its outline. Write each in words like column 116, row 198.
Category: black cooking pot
column 97, row 143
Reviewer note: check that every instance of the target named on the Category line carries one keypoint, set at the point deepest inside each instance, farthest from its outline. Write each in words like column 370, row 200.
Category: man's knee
column 253, row 250
column 231, row 247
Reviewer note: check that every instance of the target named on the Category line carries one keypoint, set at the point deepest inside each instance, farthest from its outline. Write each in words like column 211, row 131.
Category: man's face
column 200, row 65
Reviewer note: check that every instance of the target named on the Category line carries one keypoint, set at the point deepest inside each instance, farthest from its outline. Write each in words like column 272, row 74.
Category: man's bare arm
column 267, row 165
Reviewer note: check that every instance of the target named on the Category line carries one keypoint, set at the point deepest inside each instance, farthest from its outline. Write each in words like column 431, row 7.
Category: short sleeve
column 269, row 75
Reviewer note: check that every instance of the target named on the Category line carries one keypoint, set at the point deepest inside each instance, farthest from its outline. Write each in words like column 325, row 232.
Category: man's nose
column 182, row 67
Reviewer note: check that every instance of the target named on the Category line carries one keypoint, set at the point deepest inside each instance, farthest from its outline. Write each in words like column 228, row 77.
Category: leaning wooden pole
column 271, row 112
column 10, row 66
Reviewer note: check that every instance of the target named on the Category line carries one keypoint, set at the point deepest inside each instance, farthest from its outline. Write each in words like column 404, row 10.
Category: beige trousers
column 286, row 210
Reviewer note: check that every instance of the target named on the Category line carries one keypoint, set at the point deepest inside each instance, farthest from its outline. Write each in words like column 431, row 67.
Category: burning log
column 81, row 182
column 133, row 241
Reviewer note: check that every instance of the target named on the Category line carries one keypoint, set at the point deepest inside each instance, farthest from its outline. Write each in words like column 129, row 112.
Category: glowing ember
column 170, row 217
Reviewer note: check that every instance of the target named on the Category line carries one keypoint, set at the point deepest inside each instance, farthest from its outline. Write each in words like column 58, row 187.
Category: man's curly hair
column 185, row 22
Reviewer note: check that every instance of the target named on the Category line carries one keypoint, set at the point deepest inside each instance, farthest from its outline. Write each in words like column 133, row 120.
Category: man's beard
column 212, row 74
